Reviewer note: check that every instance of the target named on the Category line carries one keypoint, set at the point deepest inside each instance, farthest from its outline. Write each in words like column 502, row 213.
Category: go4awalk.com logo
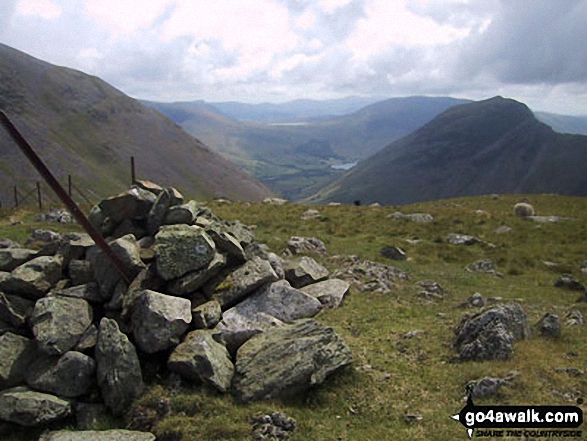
column 518, row 421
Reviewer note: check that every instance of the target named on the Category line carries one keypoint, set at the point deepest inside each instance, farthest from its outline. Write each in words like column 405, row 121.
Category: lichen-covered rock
column 133, row 204
column 16, row 353
column 328, row 292
column 89, row 292
column 490, row 334
column 159, row 210
column 207, row 315
column 181, row 249
column 11, row 258
column 15, row 309
column 102, row 435
column 182, row 214
column 160, row 320
column 117, row 368
column 25, row 407
column 288, row 360
column 549, row 325
column 80, row 272
column 484, row 266
column 305, row 245
column 70, row 375
column 201, row 358
column 462, row 239
column 59, row 322
column 34, row 278
column 235, row 328
column 194, row 280
column 305, row 271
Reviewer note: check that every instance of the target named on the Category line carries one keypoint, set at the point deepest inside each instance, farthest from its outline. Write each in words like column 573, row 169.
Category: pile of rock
column 368, row 276
column 206, row 302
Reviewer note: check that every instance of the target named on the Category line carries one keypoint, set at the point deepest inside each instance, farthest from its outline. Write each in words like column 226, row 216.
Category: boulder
column 25, row 407
column 15, row 309
column 244, row 280
column 549, row 325
column 70, row 375
column 207, row 316
column 59, row 322
column 34, row 278
column 11, row 258
column 180, row 249
column 102, row 435
column 133, row 204
column 159, row 320
column 305, row 245
column 227, row 242
column 420, row 218
column 80, row 272
column 305, row 271
column 201, row 358
column 288, row 360
column 462, row 239
column 329, row 292
column 522, row 209
column 235, row 328
column 490, row 334
column 194, row 280
column 117, row 368
column 16, row 353
column 182, row 214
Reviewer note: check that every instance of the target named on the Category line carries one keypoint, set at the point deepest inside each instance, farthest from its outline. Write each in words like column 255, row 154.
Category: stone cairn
column 207, row 303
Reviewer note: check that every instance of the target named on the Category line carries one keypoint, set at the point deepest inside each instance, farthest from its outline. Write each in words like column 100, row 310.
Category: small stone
column 394, row 253
column 574, row 318
column 549, row 326
column 462, row 239
column 305, row 271
column 568, row 281
column 305, row 245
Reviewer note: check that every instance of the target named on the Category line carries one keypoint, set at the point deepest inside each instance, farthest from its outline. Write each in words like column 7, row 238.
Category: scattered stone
column 475, row 301
column 23, row 406
column 412, row 418
column 102, row 435
column 548, row 219
column 16, row 353
column 45, row 236
column 368, row 276
column 568, row 281
column 273, row 427
column 584, row 267
column 329, row 292
column 462, row 239
column 275, row 201
column 574, row 318
column 394, row 253
column 431, row 290
column 490, row 334
column 524, row 210
column 311, row 214
column 502, row 229
column 201, row 358
column 549, row 326
column 288, row 360
column 34, row 278
column 420, row 218
column 305, row 245
column 159, row 321
column 411, row 334
column 488, row 386
column 207, row 316
column 484, row 266
column 60, row 215
column 305, row 271
column 15, row 310
column 573, row 372
column 59, row 322
column 11, row 258
column 117, row 368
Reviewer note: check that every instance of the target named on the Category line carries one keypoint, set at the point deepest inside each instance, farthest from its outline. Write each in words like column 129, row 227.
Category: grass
column 393, row 376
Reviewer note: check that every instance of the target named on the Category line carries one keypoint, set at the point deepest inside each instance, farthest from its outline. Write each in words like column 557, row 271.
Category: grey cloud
column 7, row 8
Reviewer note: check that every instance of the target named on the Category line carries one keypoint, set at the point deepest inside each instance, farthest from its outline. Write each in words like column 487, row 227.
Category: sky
column 254, row 51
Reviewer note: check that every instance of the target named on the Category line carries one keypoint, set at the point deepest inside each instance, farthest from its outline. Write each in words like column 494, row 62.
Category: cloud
column 46, row 9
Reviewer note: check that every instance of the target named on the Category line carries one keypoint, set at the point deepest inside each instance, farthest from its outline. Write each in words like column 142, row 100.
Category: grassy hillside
column 394, row 375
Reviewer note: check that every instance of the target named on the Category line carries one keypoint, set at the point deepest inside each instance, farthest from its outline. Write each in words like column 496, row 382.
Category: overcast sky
column 534, row 51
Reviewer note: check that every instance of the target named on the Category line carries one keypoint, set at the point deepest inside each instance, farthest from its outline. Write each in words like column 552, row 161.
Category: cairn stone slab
column 59, row 322
column 491, row 334
column 160, row 320
column 182, row 214
column 180, row 249
column 101, row 222
column 89, row 292
column 235, row 328
column 201, row 358
column 80, row 272
column 25, row 407
column 15, row 309
column 194, row 280
column 330, row 293
column 118, row 370
column 158, row 211
column 244, row 280
column 207, row 316
column 229, row 244
column 288, row 360
column 102, row 435
column 16, row 353
column 70, row 375
column 133, row 204
column 11, row 258
column 304, row 272
column 34, row 278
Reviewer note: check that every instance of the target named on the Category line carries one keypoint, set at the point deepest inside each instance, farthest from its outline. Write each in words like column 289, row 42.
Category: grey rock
column 182, row 214
column 490, row 334
column 133, row 204
column 235, row 328
column 16, row 353
column 146, row 279
column 549, row 325
column 278, row 264
column 548, row 219
column 476, row 300
column 241, row 232
column 207, row 316
column 502, row 229
column 46, row 236
column 148, row 186
column 194, row 280
column 15, row 309
column 229, row 244
column 329, row 292
column 368, row 276
column 102, row 435
column 420, row 218
column 88, row 340
column 244, row 280
column 311, row 214
column 89, row 415
column 11, row 258
column 158, row 211
column 34, row 278
column 574, row 318
column 8, row 243
column 80, row 272
column 273, row 427
column 485, row 387
column 89, row 292
column 201, row 358
column 59, row 322
column 484, row 266
column 462, row 239
column 523, row 209
column 25, row 407
column 431, row 290
column 133, row 227
column 568, row 281
column 181, row 249
column 70, row 375
column 288, row 360
column 275, row 201
column 394, row 253
column 305, row 271
column 584, row 267
column 100, row 221
column 159, row 320
column 117, row 368
column 305, row 245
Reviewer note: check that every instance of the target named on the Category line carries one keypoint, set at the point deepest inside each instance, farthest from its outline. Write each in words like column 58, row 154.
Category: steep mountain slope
column 295, row 159
column 564, row 123
column 82, row 126
column 491, row 146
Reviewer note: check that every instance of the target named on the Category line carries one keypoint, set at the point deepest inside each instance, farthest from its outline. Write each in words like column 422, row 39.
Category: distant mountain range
column 491, row 146
column 82, row 126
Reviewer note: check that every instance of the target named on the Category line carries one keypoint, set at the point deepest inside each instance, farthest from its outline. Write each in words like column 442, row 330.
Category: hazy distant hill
column 295, row 159
column 564, row 123
column 491, row 146
column 82, row 126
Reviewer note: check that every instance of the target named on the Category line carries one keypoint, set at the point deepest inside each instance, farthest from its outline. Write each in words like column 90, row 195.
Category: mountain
column 82, row 126
column 564, row 123
column 491, row 146
column 295, row 158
